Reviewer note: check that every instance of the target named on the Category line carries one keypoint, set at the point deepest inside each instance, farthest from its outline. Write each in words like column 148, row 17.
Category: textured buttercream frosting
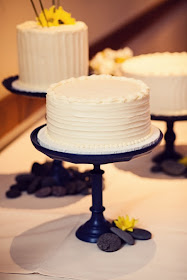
column 166, row 75
column 48, row 55
column 98, row 112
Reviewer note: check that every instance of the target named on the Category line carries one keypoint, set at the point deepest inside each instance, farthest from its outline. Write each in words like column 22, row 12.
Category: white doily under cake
column 45, row 141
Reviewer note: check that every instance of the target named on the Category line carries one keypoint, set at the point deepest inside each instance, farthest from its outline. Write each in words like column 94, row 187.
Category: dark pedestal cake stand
column 56, row 170
column 169, row 149
column 97, row 225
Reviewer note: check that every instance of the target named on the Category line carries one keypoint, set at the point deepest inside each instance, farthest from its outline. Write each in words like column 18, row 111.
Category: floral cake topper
column 54, row 16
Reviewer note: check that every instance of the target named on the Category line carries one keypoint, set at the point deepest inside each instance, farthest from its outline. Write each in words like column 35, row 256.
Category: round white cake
column 166, row 76
column 48, row 55
column 97, row 113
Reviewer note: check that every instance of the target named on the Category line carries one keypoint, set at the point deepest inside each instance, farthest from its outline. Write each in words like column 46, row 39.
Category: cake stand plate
column 169, row 151
column 8, row 84
column 97, row 225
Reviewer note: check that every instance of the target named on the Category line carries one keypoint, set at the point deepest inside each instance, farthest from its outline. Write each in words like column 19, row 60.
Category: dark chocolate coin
column 43, row 192
column 156, row 168
column 71, row 188
column 80, row 186
column 86, row 191
column 14, row 187
column 58, row 191
column 173, row 168
column 140, row 234
column 41, row 169
column 47, row 182
column 13, row 193
column 34, row 186
column 24, row 179
column 124, row 235
column 36, row 167
column 109, row 242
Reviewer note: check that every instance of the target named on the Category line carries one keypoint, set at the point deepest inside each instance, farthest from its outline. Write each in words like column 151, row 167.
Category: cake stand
column 8, row 85
column 57, row 170
column 96, row 225
column 169, row 149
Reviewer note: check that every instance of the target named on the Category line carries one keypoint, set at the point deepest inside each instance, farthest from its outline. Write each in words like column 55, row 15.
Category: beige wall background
column 101, row 16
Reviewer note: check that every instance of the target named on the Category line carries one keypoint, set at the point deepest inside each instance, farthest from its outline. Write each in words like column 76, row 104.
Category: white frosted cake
column 166, row 75
column 49, row 54
column 96, row 113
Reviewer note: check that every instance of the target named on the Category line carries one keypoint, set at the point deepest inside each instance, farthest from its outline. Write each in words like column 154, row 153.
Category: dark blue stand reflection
column 169, row 150
column 97, row 225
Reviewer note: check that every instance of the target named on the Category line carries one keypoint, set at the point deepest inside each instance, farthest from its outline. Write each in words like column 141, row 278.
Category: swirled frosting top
column 98, row 89
column 34, row 27
column 157, row 64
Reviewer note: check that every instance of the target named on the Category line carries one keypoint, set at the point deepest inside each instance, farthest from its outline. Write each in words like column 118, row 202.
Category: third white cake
column 166, row 75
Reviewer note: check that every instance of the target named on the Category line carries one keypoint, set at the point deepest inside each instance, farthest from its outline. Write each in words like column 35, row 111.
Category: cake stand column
column 97, row 225
column 169, row 152
column 170, row 139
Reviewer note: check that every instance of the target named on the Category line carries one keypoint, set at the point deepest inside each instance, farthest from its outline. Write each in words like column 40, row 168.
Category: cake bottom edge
column 46, row 142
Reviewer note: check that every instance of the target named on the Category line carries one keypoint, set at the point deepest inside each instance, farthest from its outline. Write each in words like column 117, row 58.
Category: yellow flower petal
column 183, row 161
column 55, row 17
column 124, row 223
column 119, row 59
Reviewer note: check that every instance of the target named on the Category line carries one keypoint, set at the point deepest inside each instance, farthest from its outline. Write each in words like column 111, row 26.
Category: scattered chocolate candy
column 14, row 187
column 47, row 182
column 59, row 191
column 124, row 235
column 41, row 169
column 140, row 234
column 71, row 181
column 173, row 168
column 13, row 193
column 24, row 179
column 34, row 185
column 43, row 192
column 156, row 169
column 86, row 191
column 71, row 188
column 109, row 242
column 80, row 186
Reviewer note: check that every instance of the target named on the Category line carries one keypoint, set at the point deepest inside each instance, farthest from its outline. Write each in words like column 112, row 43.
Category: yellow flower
column 120, row 59
column 55, row 17
column 124, row 223
column 183, row 161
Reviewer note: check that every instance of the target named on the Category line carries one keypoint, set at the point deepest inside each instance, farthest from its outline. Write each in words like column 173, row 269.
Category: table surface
column 37, row 238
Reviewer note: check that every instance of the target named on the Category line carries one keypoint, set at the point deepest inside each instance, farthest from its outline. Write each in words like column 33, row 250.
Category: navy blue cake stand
column 7, row 83
column 169, row 150
column 97, row 225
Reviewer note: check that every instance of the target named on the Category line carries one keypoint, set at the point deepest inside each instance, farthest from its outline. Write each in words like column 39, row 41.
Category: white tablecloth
column 37, row 236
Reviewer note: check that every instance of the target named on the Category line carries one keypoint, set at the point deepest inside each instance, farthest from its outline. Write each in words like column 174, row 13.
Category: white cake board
column 17, row 85
column 46, row 142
